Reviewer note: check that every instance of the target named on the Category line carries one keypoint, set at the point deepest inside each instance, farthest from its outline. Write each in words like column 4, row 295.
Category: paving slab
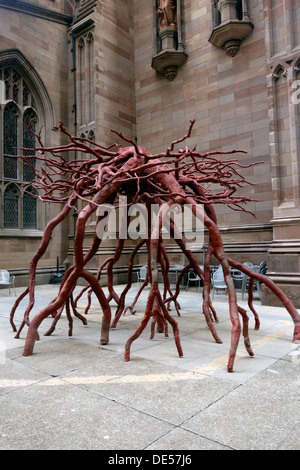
column 160, row 390
column 54, row 415
column 180, row 440
column 73, row 393
column 262, row 414
column 14, row 376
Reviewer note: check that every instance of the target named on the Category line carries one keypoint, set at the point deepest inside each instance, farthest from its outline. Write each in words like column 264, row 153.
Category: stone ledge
column 229, row 35
column 168, row 61
column 18, row 233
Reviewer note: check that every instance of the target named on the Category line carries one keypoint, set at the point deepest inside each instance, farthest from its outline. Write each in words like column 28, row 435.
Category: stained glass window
column 29, row 210
column 18, row 117
column 11, row 208
column 12, row 82
column 26, row 95
column 29, row 142
column 10, row 141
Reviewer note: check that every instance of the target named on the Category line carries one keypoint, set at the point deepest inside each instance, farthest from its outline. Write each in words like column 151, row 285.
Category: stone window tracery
column 17, row 113
column 85, row 75
column 11, row 207
column 29, row 208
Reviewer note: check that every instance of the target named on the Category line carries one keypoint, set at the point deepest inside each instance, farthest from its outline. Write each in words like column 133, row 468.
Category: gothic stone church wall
column 228, row 97
column 34, row 46
column 241, row 102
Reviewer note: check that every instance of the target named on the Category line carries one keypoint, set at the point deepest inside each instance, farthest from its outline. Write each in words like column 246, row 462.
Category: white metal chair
column 218, row 281
column 142, row 274
column 193, row 277
column 7, row 280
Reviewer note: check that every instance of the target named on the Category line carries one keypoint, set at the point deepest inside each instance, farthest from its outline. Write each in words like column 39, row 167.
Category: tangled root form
column 180, row 177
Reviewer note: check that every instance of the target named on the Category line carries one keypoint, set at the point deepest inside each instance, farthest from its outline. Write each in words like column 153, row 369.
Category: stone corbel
column 231, row 24
column 170, row 48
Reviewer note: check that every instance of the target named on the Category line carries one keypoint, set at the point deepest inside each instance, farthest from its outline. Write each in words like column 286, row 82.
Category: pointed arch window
column 85, row 77
column 10, row 141
column 29, row 141
column 12, row 81
column 29, row 209
column 11, row 207
column 18, row 116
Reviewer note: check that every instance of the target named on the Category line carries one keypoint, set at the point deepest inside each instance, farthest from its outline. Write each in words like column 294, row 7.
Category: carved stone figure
column 166, row 13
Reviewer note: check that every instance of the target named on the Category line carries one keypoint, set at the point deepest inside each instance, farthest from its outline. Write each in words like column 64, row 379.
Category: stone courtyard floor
column 73, row 393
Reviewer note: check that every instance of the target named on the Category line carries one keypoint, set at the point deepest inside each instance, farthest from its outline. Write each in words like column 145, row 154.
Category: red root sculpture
column 178, row 177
